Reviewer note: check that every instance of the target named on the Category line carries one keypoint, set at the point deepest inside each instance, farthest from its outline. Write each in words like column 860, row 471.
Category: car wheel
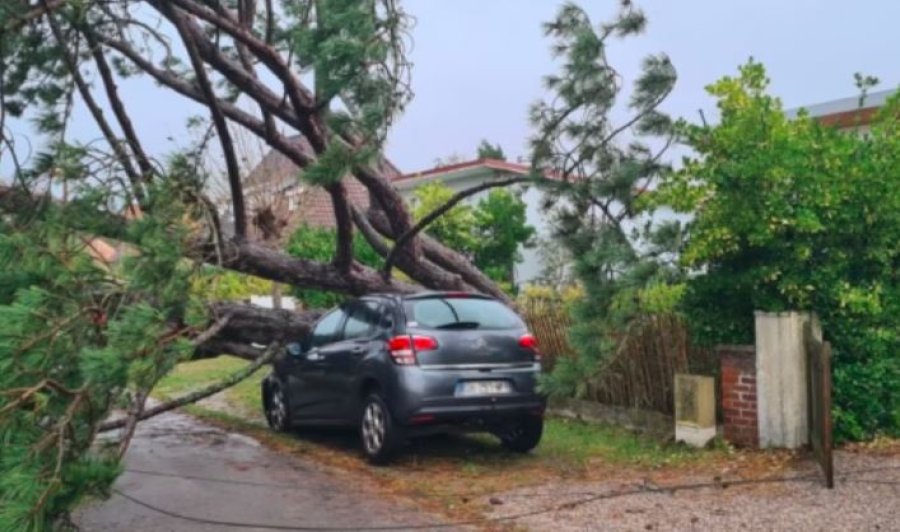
column 377, row 430
column 277, row 410
column 523, row 436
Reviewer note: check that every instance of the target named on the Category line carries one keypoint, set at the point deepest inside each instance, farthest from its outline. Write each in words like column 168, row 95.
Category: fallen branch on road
column 203, row 393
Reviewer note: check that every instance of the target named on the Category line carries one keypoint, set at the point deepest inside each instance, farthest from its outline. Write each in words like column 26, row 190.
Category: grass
column 243, row 399
column 574, row 442
column 443, row 473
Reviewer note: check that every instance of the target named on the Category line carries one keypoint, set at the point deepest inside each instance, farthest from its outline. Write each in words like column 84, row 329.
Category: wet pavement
column 184, row 475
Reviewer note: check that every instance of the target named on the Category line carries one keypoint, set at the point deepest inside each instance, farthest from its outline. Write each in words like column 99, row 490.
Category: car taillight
column 403, row 349
column 528, row 341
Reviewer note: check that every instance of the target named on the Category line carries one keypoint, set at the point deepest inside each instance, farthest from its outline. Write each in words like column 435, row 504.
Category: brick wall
column 739, row 407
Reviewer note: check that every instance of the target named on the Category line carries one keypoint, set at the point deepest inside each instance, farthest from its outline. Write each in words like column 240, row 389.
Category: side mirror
column 294, row 349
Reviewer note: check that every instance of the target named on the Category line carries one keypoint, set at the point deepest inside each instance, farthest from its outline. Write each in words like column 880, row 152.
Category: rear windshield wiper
column 460, row 325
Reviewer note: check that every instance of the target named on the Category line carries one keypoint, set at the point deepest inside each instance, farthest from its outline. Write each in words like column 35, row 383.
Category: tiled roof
column 313, row 206
column 102, row 251
column 493, row 164
column 846, row 112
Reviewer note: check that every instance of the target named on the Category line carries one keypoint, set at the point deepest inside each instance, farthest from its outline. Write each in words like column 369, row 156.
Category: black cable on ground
column 671, row 489
column 210, row 479
column 520, row 490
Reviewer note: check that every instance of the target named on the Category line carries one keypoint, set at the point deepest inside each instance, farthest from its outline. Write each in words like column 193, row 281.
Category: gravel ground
column 866, row 497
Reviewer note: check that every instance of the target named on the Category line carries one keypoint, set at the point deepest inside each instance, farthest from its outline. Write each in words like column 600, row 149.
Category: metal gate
column 818, row 359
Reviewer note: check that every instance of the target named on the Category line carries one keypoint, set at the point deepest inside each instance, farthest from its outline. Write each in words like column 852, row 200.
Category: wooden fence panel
column 641, row 371
column 820, row 426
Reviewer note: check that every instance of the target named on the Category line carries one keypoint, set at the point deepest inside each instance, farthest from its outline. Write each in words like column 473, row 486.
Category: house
column 274, row 184
column 274, row 189
column 850, row 114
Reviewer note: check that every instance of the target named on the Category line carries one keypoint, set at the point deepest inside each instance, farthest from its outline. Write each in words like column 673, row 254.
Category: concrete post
column 695, row 409
column 781, row 377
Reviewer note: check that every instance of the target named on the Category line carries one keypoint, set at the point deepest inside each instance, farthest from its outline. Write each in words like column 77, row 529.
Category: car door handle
column 358, row 349
column 314, row 356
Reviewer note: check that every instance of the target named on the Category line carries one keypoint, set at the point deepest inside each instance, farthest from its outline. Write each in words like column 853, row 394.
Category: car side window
column 363, row 320
column 326, row 331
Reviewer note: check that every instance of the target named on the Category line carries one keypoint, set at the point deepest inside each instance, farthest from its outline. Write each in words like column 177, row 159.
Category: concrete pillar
column 695, row 409
column 781, row 378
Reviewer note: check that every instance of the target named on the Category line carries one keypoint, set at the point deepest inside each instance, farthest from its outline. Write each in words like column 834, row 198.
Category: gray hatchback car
column 401, row 366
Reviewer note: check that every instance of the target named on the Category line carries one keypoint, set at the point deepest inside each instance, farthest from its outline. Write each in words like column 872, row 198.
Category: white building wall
column 287, row 302
column 529, row 269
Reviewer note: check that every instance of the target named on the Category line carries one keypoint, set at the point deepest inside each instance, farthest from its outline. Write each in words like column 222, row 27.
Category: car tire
column 377, row 430
column 276, row 407
column 523, row 436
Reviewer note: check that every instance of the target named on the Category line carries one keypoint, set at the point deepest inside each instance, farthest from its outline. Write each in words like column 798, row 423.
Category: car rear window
column 471, row 312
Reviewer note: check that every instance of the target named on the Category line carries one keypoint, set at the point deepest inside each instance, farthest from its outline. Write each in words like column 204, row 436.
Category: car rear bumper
column 428, row 396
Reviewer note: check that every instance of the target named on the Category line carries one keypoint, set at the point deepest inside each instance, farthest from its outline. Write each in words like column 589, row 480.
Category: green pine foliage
column 599, row 178
column 356, row 48
column 793, row 215
column 486, row 150
column 78, row 339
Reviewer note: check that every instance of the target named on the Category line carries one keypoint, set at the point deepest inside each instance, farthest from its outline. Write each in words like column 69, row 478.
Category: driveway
column 866, row 497
column 185, row 475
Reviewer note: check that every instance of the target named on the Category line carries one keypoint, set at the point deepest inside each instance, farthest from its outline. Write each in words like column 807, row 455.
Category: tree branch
column 91, row 103
column 234, row 172
column 117, row 105
column 46, row 7
column 193, row 397
column 258, row 260
column 369, row 233
column 388, row 200
column 291, row 149
column 466, row 276
column 435, row 214
column 302, row 100
column 343, row 257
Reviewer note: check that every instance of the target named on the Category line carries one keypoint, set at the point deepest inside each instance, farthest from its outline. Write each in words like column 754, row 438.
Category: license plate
column 472, row 388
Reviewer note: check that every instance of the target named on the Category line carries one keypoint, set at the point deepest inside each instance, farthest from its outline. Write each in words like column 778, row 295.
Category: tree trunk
column 276, row 296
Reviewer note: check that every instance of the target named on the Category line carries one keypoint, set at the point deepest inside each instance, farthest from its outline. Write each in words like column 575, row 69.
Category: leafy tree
column 794, row 215
column 491, row 232
column 500, row 229
column 486, row 150
column 602, row 169
column 454, row 228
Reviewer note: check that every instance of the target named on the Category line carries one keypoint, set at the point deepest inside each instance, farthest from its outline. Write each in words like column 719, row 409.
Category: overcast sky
column 479, row 64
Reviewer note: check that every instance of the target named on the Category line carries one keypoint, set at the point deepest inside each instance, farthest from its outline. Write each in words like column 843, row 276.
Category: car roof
column 424, row 294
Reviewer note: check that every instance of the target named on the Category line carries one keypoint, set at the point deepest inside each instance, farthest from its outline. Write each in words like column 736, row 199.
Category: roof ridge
column 495, row 164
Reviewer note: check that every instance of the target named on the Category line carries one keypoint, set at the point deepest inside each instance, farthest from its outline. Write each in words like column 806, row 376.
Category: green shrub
column 319, row 243
column 793, row 215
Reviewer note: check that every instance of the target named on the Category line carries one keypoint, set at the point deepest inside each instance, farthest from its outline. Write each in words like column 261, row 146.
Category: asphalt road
column 192, row 473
